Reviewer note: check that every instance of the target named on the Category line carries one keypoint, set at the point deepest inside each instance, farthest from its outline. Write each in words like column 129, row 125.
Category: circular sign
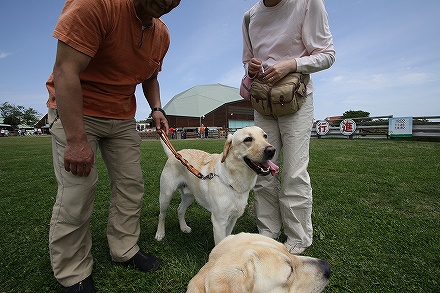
column 322, row 127
column 347, row 127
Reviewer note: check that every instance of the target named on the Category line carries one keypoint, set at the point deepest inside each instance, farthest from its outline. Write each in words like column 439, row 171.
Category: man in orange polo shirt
column 105, row 48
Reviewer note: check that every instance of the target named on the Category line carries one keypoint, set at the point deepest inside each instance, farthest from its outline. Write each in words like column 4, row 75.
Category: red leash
column 184, row 162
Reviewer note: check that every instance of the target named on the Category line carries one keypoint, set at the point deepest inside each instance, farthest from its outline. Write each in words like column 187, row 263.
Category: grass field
column 376, row 218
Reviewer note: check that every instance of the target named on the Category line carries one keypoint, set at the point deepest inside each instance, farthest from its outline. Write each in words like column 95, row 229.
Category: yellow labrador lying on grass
column 254, row 263
column 246, row 153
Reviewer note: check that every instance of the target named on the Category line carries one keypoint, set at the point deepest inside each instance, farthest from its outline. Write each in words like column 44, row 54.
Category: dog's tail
column 167, row 151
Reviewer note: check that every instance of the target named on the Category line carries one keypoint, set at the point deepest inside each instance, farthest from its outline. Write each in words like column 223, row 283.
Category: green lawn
column 376, row 218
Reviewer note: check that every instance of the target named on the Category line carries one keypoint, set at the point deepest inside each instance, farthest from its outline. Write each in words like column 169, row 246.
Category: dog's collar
column 209, row 176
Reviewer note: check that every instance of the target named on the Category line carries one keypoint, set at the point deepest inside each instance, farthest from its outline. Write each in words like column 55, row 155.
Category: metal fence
column 422, row 127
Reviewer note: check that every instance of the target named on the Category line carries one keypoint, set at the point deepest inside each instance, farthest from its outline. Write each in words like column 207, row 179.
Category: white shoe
column 294, row 249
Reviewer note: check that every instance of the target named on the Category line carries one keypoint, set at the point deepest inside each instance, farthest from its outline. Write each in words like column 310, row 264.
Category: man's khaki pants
column 70, row 239
column 287, row 205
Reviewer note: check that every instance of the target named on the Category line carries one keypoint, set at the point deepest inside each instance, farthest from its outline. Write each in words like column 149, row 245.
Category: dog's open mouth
column 264, row 168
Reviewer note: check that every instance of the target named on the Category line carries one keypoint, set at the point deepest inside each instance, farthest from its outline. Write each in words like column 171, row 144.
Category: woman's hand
column 276, row 72
column 254, row 66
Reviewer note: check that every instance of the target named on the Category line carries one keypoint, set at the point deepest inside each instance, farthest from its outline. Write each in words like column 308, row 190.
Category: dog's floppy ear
column 227, row 147
column 235, row 278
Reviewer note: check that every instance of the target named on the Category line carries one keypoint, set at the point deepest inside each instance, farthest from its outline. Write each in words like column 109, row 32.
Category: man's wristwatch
column 158, row 109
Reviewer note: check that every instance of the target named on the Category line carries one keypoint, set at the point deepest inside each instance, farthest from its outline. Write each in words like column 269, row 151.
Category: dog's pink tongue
column 274, row 169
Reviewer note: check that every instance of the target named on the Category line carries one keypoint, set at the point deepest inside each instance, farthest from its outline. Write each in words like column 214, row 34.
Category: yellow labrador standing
column 253, row 263
column 246, row 153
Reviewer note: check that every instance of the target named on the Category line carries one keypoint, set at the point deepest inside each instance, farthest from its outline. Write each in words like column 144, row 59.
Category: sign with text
column 347, row 127
column 400, row 127
column 322, row 127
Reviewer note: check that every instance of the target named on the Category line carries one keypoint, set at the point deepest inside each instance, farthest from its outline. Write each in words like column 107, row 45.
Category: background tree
column 357, row 114
column 30, row 117
column 16, row 115
column 421, row 121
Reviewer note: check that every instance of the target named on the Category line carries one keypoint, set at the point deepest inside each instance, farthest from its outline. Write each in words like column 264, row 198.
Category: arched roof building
column 214, row 105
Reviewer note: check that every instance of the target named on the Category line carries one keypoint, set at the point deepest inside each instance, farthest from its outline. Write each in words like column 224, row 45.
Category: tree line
column 18, row 115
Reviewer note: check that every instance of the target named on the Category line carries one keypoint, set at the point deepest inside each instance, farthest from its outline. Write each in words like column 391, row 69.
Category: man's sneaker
column 85, row 286
column 144, row 262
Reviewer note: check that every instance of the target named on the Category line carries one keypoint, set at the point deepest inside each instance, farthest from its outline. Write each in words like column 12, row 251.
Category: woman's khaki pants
column 287, row 204
column 70, row 239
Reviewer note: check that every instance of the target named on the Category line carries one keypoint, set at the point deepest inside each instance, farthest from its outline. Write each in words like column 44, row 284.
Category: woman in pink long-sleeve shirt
column 287, row 36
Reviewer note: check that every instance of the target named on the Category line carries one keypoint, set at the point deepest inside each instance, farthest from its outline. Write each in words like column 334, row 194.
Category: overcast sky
column 387, row 54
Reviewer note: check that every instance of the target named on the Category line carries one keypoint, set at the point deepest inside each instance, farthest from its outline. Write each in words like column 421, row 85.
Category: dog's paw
column 186, row 229
column 159, row 236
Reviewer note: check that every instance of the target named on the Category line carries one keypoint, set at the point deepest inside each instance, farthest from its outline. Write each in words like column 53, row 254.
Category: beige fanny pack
column 283, row 98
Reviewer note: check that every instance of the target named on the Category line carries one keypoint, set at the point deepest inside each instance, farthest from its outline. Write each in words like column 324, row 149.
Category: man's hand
column 160, row 121
column 78, row 158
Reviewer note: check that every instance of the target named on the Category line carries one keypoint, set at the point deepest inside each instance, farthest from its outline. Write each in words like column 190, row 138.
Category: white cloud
column 4, row 54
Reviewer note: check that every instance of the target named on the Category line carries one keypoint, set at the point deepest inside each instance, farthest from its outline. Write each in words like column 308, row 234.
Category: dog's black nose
column 325, row 268
column 269, row 152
